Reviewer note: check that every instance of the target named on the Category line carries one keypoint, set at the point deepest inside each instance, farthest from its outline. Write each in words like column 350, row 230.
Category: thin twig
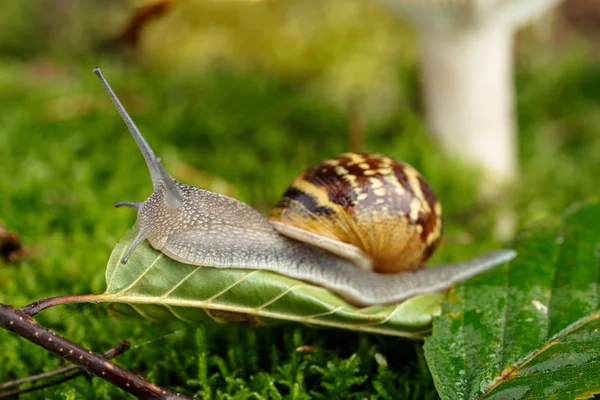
column 17, row 392
column 19, row 322
column 114, row 352
column 40, row 305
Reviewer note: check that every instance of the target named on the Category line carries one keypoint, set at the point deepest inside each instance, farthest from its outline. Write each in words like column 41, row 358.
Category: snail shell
column 382, row 209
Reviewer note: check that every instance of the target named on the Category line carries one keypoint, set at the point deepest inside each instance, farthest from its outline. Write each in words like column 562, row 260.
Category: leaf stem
column 22, row 324
column 40, row 305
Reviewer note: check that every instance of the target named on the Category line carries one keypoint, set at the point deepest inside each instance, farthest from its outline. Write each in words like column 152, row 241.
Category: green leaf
column 528, row 330
column 157, row 287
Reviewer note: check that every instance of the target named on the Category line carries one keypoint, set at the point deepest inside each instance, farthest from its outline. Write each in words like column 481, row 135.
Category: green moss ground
column 65, row 158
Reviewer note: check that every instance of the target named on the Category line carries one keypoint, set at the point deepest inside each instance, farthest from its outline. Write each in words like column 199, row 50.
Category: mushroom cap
column 448, row 15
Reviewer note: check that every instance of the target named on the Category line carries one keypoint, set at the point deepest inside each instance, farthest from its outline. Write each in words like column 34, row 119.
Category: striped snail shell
column 366, row 207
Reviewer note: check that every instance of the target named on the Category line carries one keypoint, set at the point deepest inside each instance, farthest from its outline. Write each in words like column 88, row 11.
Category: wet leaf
column 158, row 288
column 531, row 329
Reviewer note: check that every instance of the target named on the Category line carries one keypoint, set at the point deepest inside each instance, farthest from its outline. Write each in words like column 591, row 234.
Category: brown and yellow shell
column 382, row 206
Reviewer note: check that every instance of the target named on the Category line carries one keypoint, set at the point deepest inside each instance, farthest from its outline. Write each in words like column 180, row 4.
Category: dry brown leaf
column 11, row 248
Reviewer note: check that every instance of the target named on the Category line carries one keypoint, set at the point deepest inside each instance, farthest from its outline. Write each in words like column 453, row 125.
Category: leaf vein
column 323, row 314
column 384, row 320
column 176, row 314
column 143, row 313
column 279, row 296
column 139, row 278
column 570, row 329
column 185, row 278
column 228, row 288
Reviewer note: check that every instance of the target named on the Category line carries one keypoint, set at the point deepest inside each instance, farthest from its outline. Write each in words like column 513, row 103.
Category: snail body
column 359, row 225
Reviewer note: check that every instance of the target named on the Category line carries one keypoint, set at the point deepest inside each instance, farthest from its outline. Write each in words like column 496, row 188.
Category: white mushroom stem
column 469, row 93
column 466, row 62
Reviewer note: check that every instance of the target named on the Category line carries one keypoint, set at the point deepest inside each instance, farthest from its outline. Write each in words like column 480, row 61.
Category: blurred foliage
column 320, row 43
column 246, row 125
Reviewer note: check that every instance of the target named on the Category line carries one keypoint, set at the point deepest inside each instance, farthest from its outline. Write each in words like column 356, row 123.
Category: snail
column 360, row 225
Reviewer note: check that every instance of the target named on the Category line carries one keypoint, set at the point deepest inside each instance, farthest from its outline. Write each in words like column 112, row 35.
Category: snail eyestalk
column 160, row 177
column 141, row 236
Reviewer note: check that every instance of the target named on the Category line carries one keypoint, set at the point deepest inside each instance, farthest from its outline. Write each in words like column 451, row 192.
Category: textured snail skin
column 199, row 227
column 382, row 206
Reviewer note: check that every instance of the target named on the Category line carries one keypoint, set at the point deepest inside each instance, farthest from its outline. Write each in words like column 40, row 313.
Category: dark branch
column 23, row 325
column 114, row 352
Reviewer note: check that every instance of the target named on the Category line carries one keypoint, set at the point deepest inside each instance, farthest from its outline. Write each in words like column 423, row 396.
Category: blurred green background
column 239, row 97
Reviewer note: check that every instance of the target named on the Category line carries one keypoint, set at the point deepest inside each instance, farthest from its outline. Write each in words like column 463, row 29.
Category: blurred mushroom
column 466, row 72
